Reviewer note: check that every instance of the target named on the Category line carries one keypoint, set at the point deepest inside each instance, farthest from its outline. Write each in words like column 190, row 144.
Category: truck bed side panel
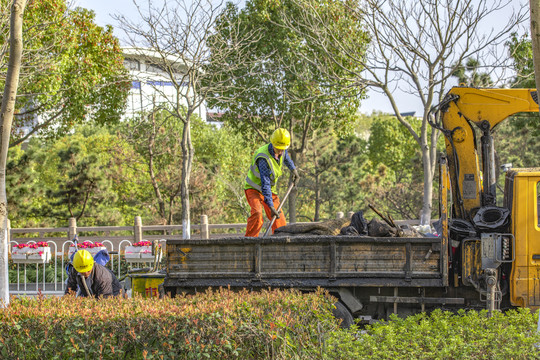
column 306, row 260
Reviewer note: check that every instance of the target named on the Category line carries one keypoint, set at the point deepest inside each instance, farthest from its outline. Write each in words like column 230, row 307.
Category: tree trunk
column 535, row 37
column 187, row 160
column 317, row 197
column 155, row 184
column 425, row 216
column 6, row 114
column 294, row 192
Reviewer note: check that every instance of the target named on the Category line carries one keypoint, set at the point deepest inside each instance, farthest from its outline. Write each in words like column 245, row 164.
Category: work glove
column 274, row 212
column 296, row 177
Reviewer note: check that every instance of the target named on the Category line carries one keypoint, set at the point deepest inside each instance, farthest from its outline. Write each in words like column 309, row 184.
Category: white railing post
column 137, row 230
column 204, row 227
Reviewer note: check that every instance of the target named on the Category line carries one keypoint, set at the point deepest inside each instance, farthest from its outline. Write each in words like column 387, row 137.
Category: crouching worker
column 91, row 278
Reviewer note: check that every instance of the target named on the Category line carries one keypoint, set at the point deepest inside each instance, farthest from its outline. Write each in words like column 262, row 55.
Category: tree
column 280, row 88
column 91, row 174
column 471, row 75
column 534, row 6
column 83, row 175
column 6, row 119
column 176, row 38
column 332, row 175
column 222, row 158
column 77, row 168
column 516, row 138
column 156, row 137
column 416, row 46
column 520, row 48
column 393, row 184
column 73, row 71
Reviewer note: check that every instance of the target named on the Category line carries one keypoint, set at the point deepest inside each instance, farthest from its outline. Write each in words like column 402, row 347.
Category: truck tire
column 169, row 291
column 342, row 313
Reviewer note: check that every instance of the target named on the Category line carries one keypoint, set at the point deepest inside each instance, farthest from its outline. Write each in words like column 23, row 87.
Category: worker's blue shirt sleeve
column 266, row 189
column 288, row 161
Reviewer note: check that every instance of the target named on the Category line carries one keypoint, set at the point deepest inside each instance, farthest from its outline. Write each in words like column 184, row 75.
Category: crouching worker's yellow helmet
column 281, row 139
column 83, row 261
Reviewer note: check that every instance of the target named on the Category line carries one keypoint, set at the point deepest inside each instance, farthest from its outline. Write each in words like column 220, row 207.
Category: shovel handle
column 279, row 209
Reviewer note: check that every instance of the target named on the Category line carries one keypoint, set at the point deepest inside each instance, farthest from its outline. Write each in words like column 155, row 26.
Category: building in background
column 151, row 85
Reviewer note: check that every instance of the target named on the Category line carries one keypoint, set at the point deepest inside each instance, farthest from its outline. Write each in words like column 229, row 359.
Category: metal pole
column 491, row 282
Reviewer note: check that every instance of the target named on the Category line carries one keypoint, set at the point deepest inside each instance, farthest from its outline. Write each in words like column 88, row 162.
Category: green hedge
column 442, row 335
column 214, row 325
column 250, row 325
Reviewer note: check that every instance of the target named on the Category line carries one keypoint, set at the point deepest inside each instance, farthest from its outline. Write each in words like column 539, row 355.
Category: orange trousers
column 255, row 221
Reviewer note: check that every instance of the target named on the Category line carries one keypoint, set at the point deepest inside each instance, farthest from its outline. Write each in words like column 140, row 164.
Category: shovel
column 279, row 209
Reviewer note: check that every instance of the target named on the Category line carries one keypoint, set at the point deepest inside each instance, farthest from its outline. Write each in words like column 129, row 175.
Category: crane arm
column 474, row 184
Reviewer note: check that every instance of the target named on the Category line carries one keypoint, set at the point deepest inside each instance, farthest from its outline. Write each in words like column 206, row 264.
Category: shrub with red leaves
column 222, row 324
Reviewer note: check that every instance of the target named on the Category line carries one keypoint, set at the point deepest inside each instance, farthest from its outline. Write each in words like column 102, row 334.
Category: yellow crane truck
column 486, row 256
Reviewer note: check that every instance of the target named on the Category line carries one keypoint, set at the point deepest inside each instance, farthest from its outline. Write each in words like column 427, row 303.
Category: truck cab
column 522, row 197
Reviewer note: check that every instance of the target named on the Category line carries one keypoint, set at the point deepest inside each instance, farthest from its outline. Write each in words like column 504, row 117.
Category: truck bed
column 307, row 261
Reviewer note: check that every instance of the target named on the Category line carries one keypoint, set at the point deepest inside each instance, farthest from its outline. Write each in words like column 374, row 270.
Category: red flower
column 144, row 243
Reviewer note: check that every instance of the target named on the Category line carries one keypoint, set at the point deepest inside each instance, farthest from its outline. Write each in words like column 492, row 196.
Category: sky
column 104, row 9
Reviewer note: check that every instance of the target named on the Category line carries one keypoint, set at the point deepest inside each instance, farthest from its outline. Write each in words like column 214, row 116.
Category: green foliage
column 520, row 49
column 279, row 87
column 331, row 177
column 72, row 69
column 78, row 175
column 219, row 167
column 270, row 324
column 442, row 335
column 391, row 144
column 215, row 325
column 393, row 182
column 222, row 158
column 470, row 74
column 517, row 142
column 156, row 139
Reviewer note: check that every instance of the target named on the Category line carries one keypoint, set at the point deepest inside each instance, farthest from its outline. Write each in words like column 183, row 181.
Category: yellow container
column 146, row 285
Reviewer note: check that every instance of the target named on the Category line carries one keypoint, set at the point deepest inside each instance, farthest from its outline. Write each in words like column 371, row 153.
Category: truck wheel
column 342, row 313
column 169, row 291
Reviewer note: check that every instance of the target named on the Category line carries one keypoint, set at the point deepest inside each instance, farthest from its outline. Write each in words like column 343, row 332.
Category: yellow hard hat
column 281, row 139
column 83, row 261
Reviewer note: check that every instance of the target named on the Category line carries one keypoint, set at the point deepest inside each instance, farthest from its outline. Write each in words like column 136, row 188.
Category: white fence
column 114, row 238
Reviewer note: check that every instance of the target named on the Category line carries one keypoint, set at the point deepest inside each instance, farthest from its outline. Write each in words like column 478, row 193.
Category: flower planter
column 39, row 255
column 18, row 254
column 92, row 248
column 138, row 253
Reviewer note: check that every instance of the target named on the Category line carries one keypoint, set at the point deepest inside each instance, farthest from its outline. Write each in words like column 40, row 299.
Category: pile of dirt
column 357, row 225
column 330, row 227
